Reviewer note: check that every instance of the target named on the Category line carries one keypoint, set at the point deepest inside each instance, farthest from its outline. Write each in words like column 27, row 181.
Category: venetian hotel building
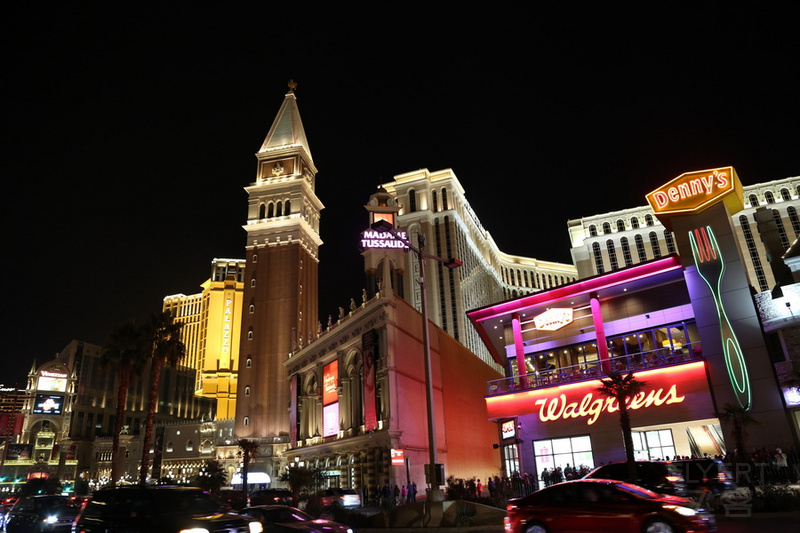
column 685, row 323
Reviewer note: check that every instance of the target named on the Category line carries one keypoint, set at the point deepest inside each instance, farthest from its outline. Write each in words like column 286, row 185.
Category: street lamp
column 434, row 494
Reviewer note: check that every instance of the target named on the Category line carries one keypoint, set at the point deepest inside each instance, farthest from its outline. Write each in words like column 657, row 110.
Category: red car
column 604, row 505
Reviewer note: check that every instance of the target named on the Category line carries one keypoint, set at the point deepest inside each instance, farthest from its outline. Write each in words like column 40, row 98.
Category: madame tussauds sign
column 667, row 388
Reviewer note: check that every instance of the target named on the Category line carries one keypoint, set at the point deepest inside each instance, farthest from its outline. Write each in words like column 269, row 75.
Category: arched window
column 626, row 251
column 189, row 446
column 648, row 220
column 753, row 199
column 250, row 334
column 640, row 250
column 169, row 446
column 606, row 228
column 444, row 199
column 768, row 196
column 412, row 200
column 654, row 244
column 252, row 309
column 262, row 211
column 785, row 195
column 435, row 199
column 253, row 282
column 287, row 208
column 753, row 250
column 671, row 249
column 592, row 231
column 634, row 223
column 792, row 212
column 279, row 209
column 248, row 363
column 612, row 255
column 246, row 421
column 247, row 390
column 781, row 230
column 620, row 225
column 270, row 210
column 598, row 258
column 255, row 258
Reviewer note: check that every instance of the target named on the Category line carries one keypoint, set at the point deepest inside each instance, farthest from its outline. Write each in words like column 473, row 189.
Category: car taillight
column 722, row 476
column 511, row 507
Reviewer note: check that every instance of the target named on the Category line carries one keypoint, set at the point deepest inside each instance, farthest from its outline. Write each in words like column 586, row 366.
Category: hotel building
column 211, row 327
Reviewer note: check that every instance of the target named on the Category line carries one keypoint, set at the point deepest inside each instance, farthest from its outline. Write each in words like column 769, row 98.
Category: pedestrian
column 479, row 489
column 412, row 492
column 491, row 487
column 403, row 494
column 781, row 466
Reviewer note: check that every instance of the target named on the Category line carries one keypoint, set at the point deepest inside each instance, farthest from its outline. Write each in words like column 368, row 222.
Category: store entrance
column 695, row 438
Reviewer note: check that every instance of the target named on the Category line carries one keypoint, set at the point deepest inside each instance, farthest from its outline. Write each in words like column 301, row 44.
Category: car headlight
column 256, row 527
column 684, row 511
column 194, row 530
column 52, row 519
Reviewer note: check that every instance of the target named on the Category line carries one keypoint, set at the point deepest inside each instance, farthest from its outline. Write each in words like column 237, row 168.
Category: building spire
column 287, row 129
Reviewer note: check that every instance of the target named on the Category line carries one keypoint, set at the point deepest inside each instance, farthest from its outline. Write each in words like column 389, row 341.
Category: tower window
column 412, row 200
column 248, row 363
column 247, row 391
column 253, row 282
column 246, row 421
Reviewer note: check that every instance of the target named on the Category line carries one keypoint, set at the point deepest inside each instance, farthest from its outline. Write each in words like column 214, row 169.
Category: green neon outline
column 740, row 381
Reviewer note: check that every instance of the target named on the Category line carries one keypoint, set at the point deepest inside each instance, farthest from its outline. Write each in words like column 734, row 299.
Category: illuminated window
column 753, row 199
column 573, row 452
column 652, row 445
column 189, row 446
column 169, row 446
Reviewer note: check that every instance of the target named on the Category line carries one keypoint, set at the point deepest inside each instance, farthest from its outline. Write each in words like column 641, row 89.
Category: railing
column 597, row 369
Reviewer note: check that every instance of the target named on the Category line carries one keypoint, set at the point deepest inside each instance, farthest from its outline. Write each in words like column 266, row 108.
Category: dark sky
column 129, row 133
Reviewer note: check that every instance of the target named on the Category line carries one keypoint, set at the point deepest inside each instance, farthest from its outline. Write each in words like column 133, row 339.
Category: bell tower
column 280, row 302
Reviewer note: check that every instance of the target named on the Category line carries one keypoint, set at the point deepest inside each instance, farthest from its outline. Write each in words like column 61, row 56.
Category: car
column 603, row 505
column 286, row 519
column 658, row 476
column 271, row 497
column 235, row 499
column 705, row 475
column 342, row 497
column 158, row 509
column 41, row 514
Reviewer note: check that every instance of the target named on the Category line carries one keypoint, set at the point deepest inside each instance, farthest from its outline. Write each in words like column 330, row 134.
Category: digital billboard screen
column 48, row 404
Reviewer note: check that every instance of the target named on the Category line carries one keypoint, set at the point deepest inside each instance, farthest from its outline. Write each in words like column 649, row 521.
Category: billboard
column 52, row 381
column 48, row 404
column 330, row 420
column 330, row 383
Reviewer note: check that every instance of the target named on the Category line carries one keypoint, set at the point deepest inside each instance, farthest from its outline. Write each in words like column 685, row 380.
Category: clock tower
column 280, row 302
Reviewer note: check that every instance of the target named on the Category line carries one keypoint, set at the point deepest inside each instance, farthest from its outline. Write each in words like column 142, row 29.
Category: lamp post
column 434, row 493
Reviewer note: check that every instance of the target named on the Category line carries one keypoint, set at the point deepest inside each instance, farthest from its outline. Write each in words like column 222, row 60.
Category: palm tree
column 622, row 387
column 250, row 449
column 125, row 353
column 212, row 476
column 163, row 333
column 300, row 478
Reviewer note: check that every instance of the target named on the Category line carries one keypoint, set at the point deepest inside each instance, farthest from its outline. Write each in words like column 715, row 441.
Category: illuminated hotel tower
column 280, row 282
column 211, row 327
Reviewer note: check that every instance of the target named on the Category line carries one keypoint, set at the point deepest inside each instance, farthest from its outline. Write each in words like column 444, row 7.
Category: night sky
column 129, row 134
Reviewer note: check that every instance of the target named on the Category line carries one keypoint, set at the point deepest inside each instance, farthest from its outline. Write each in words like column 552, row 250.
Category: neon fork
column 711, row 267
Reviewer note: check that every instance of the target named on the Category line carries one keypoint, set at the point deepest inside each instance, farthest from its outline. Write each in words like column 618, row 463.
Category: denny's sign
column 694, row 191
column 668, row 391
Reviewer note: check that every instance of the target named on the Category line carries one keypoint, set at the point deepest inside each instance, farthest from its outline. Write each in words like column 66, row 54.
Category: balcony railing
column 594, row 369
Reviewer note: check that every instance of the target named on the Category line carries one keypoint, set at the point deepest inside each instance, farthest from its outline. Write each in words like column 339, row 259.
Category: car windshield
column 287, row 514
column 185, row 502
column 636, row 490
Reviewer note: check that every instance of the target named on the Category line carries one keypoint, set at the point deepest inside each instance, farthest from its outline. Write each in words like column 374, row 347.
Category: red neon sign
column 581, row 401
column 330, row 383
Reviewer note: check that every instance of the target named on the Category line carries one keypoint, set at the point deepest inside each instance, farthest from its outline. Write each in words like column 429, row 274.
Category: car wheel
column 658, row 525
column 535, row 528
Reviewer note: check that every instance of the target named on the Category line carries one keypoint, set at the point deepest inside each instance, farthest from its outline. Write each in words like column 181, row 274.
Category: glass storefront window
column 572, row 452
column 653, row 445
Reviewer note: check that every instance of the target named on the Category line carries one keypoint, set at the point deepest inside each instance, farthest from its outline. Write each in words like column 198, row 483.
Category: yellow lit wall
column 211, row 332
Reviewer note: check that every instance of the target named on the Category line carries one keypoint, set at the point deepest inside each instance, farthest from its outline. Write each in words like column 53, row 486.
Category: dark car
column 158, row 509
column 603, row 505
column 41, row 513
column 658, row 476
column 235, row 499
column 285, row 519
column 705, row 475
column 271, row 497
